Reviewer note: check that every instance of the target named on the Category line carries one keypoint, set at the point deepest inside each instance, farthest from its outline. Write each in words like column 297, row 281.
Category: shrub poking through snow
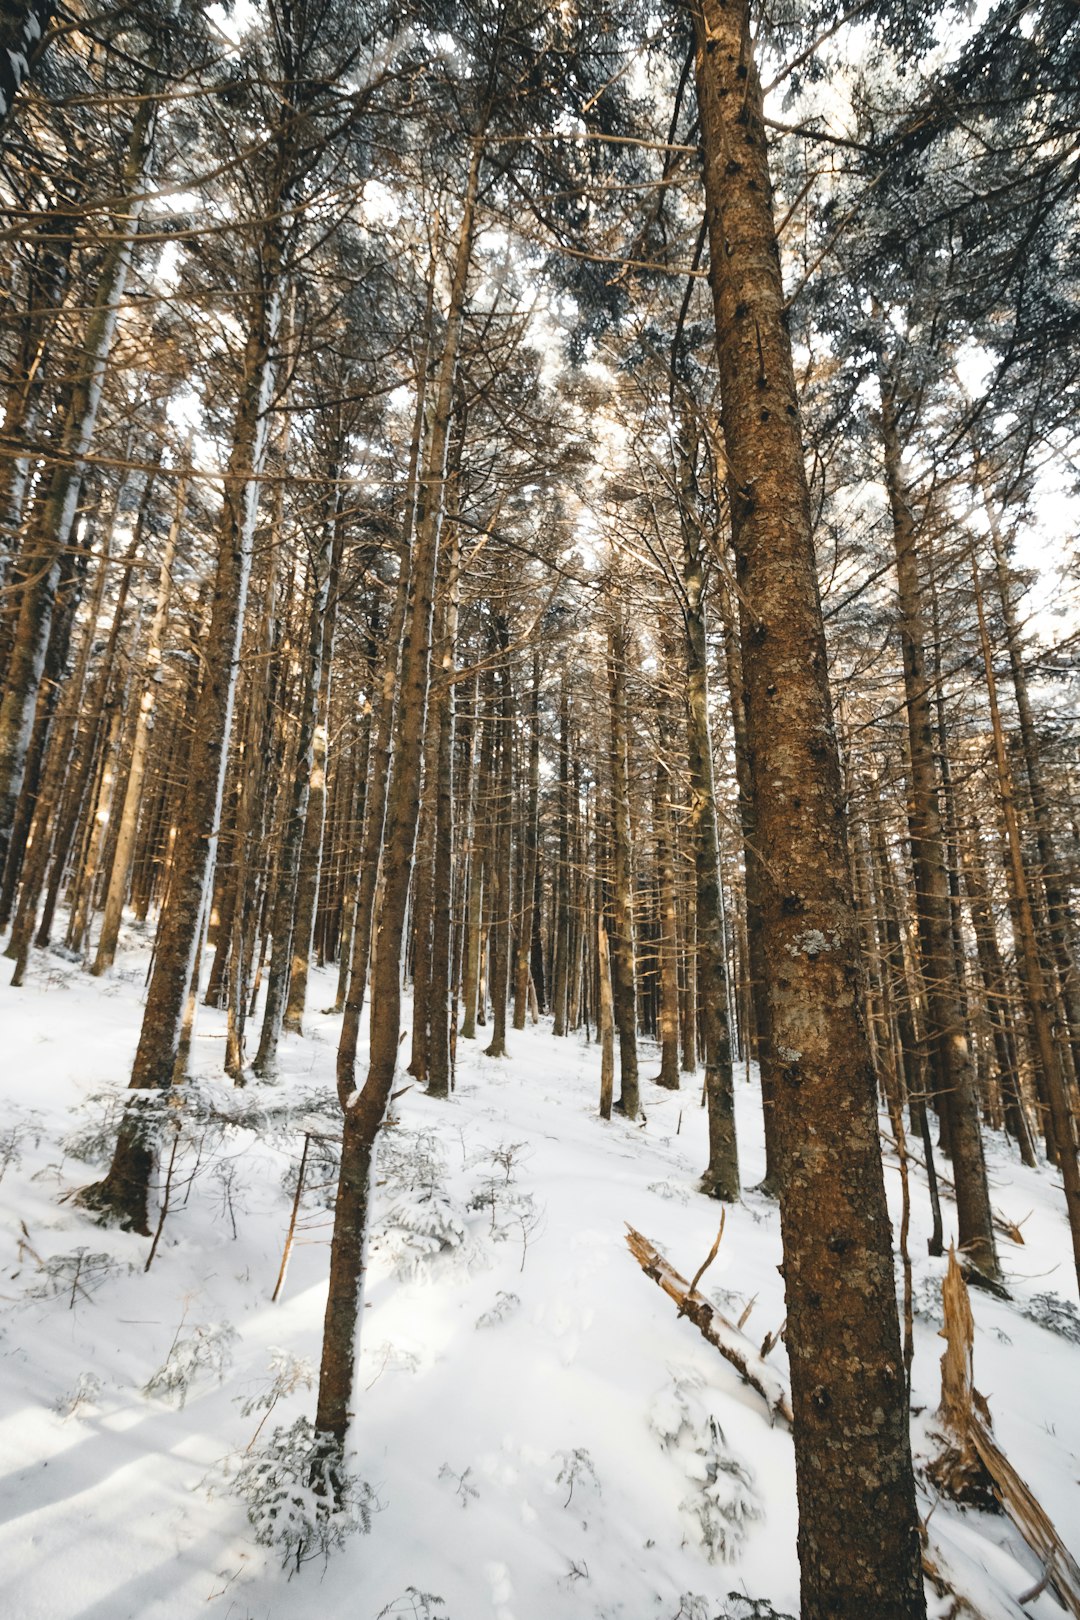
column 86, row 1392
column 415, row 1605
column 505, row 1305
column 301, row 1498
column 723, row 1501
column 416, row 1230
column 575, row 1466
column 1058, row 1316
column 737, row 1607
column 76, row 1275
column 207, row 1349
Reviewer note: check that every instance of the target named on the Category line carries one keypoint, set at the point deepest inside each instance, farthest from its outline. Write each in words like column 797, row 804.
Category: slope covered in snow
column 539, row 1432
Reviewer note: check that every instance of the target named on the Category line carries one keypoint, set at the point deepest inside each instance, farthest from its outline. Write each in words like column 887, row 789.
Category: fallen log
column 723, row 1335
column 973, row 1461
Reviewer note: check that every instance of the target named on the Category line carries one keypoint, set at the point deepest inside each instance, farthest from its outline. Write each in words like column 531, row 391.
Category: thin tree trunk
column 721, row 1178
column 1036, row 996
column 622, row 910
column 124, row 1193
column 54, row 514
column 365, row 1107
column 954, row 1077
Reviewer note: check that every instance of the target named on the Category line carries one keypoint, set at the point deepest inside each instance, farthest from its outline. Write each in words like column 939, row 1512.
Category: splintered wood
column 723, row 1335
column 972, row 1464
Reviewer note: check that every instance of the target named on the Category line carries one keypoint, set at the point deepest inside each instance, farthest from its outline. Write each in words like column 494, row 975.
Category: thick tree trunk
column 858, row 1524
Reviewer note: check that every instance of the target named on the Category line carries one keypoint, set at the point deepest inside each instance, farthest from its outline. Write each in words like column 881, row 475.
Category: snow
column 542, row 1435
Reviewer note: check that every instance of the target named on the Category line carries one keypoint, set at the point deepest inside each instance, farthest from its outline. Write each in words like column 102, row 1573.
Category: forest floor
column 542, row 1434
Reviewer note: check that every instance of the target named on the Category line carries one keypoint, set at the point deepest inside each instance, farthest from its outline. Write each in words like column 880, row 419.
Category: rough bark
column 858, row 1524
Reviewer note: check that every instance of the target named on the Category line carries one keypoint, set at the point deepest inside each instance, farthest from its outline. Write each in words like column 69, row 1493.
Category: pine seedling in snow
column 288, row 1373
column 467, row 1492
column 415, row 1605
column 301, row 1499
column 26, row 1124
column 574, row 1466
column 1058, row 1316
column 86, row 1392
column 723, row 1501
column 738, row 1607
column 208, row 1349
column 505, row 1305
column 77, row 1275
column 416, row 1230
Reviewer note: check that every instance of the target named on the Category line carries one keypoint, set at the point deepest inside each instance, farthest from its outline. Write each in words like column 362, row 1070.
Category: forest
column 540, row 809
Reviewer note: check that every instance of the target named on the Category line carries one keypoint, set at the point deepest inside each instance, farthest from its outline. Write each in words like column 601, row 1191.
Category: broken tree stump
column 971, row 1466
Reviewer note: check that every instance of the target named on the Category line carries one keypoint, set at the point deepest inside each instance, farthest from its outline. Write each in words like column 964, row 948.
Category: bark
column 669, row 930
column 721, row 1178
column 1055, row 885
column 622, row 909
column 858, row 1524
column 54, row 513
column 289, row 871
column 441, row 990
column 124, row 1193
column 996, row 993
column 365, row 1106
column 501, row 886
column 954, row 1079
column 756, row 967
column 315, row 817
column 477, row 860
column 526, row 910
column 129, row 815
column 1037, row 999
column 560, row 950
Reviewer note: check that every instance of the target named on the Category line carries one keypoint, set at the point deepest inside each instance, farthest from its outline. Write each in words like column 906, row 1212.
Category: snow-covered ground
column 542, row 1434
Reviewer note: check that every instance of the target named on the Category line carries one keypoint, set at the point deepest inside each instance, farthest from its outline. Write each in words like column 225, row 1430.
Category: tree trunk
column 129, row 815
column 124, row 1193
column 54, row 513
column 858, row 1524
column 1036, row 996
column 365, row 1107
column 624, row 992
column 954, row 1080
column 721, row 1178
column 529, row 866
